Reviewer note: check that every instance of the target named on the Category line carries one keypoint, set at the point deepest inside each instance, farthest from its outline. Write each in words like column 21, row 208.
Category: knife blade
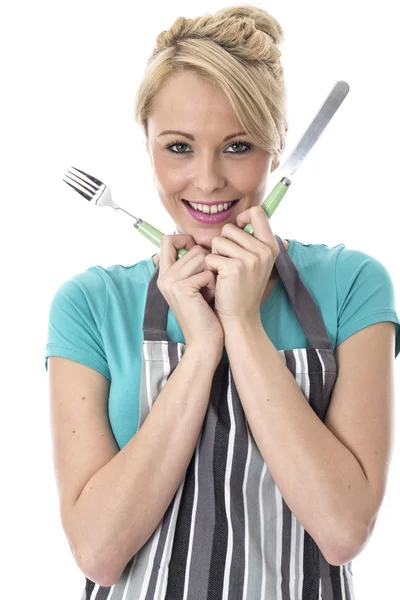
column 306, row 143
column 316, row 127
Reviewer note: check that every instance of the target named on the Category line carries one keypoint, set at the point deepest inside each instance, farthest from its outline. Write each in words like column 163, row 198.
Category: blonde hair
column 235, row 50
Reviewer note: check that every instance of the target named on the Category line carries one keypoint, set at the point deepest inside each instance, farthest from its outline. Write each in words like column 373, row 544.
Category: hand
column 188, row 286
column 243, row 265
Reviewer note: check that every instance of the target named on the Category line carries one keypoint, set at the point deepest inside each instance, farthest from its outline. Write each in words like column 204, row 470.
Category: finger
column 234, row 245
column 218, row 264
column 169, row 244
column 258, row 219
column 208, row 291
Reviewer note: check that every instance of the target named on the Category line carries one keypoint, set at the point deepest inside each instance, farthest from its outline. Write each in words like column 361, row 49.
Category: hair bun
column 236, row 50
column 259, row 18
column 247, row 32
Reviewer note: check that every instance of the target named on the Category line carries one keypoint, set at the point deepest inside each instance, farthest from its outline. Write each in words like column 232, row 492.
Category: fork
column 99, row 193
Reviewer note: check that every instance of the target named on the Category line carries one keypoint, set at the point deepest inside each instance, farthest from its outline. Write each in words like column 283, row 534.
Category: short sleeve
column 76, row 315
column 365, row 294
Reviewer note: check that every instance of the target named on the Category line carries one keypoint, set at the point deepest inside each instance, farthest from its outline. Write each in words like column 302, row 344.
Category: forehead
column 189, row 103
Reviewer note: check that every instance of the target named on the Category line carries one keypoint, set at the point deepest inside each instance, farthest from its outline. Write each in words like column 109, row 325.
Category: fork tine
column 84, row 194
column 85, row 184
column 89, row 177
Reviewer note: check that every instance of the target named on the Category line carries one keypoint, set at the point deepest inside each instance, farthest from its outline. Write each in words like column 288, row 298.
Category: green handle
column 154, row 235
column 272, row 200
column 269, row 205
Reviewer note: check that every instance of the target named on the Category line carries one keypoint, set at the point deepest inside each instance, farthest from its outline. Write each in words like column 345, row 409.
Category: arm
column 321, row 480
column 131, row 493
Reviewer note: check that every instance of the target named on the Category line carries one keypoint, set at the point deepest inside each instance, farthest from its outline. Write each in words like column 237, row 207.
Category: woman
column 244, row 452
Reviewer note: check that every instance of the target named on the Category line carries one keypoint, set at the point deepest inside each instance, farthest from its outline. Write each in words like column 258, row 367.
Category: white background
column 70, row 71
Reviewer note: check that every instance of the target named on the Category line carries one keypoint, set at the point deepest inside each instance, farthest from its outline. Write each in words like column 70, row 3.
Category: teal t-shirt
column 96, row 316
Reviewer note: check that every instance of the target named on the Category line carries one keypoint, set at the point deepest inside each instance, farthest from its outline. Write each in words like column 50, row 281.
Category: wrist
column 206, row 352
column 234, row 326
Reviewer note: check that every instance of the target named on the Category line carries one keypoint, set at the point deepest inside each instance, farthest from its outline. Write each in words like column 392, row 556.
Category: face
column 205, row 169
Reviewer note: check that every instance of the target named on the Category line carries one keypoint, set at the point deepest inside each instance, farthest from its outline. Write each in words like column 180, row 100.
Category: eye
column 247, row 146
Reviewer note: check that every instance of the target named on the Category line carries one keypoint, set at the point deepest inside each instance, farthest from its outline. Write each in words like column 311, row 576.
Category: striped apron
column 228, row 534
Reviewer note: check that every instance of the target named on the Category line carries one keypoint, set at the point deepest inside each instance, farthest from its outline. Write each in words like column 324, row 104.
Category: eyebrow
column 190, row 137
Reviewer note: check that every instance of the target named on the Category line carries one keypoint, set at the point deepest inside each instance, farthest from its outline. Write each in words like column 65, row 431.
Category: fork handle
column 154, row 235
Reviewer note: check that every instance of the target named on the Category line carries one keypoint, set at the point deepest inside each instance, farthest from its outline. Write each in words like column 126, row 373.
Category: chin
column 205, row 240
column 201, row 238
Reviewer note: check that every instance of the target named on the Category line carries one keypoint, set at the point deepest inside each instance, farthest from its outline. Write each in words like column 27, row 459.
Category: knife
column 307, row 141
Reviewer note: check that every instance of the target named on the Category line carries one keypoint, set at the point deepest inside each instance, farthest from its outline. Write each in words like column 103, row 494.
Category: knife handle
column 269, row 205
column 272, row 200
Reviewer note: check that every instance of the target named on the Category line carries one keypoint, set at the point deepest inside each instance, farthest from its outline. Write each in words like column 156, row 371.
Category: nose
column 208, row 175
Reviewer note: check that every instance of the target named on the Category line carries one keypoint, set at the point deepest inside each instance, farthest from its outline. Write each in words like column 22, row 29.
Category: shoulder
column 89, row 283
column 97, row 279
column 97, row 282
column 359, row 272
column 345, row 263
column 353, row 289
column 110, row 290
column 81, row 296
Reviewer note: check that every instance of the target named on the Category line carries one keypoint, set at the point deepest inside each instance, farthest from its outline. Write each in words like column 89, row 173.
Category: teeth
column 214, row 208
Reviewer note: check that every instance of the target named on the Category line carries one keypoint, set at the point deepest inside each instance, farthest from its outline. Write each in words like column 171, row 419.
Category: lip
column 208, row 218
column 211, row 203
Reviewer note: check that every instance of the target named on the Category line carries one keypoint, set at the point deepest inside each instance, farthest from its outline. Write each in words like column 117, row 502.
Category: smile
column 217, row 216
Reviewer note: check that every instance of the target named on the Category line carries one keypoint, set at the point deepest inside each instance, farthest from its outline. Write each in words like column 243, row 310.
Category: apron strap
column 303, row 303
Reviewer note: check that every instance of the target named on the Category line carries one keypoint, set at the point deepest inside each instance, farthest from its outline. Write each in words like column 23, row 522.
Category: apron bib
column 228, row 534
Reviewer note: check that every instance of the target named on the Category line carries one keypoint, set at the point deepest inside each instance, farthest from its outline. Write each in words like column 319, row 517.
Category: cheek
column 168, row 188
column 250, row 176
column 169, row 177
column 247, row 182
